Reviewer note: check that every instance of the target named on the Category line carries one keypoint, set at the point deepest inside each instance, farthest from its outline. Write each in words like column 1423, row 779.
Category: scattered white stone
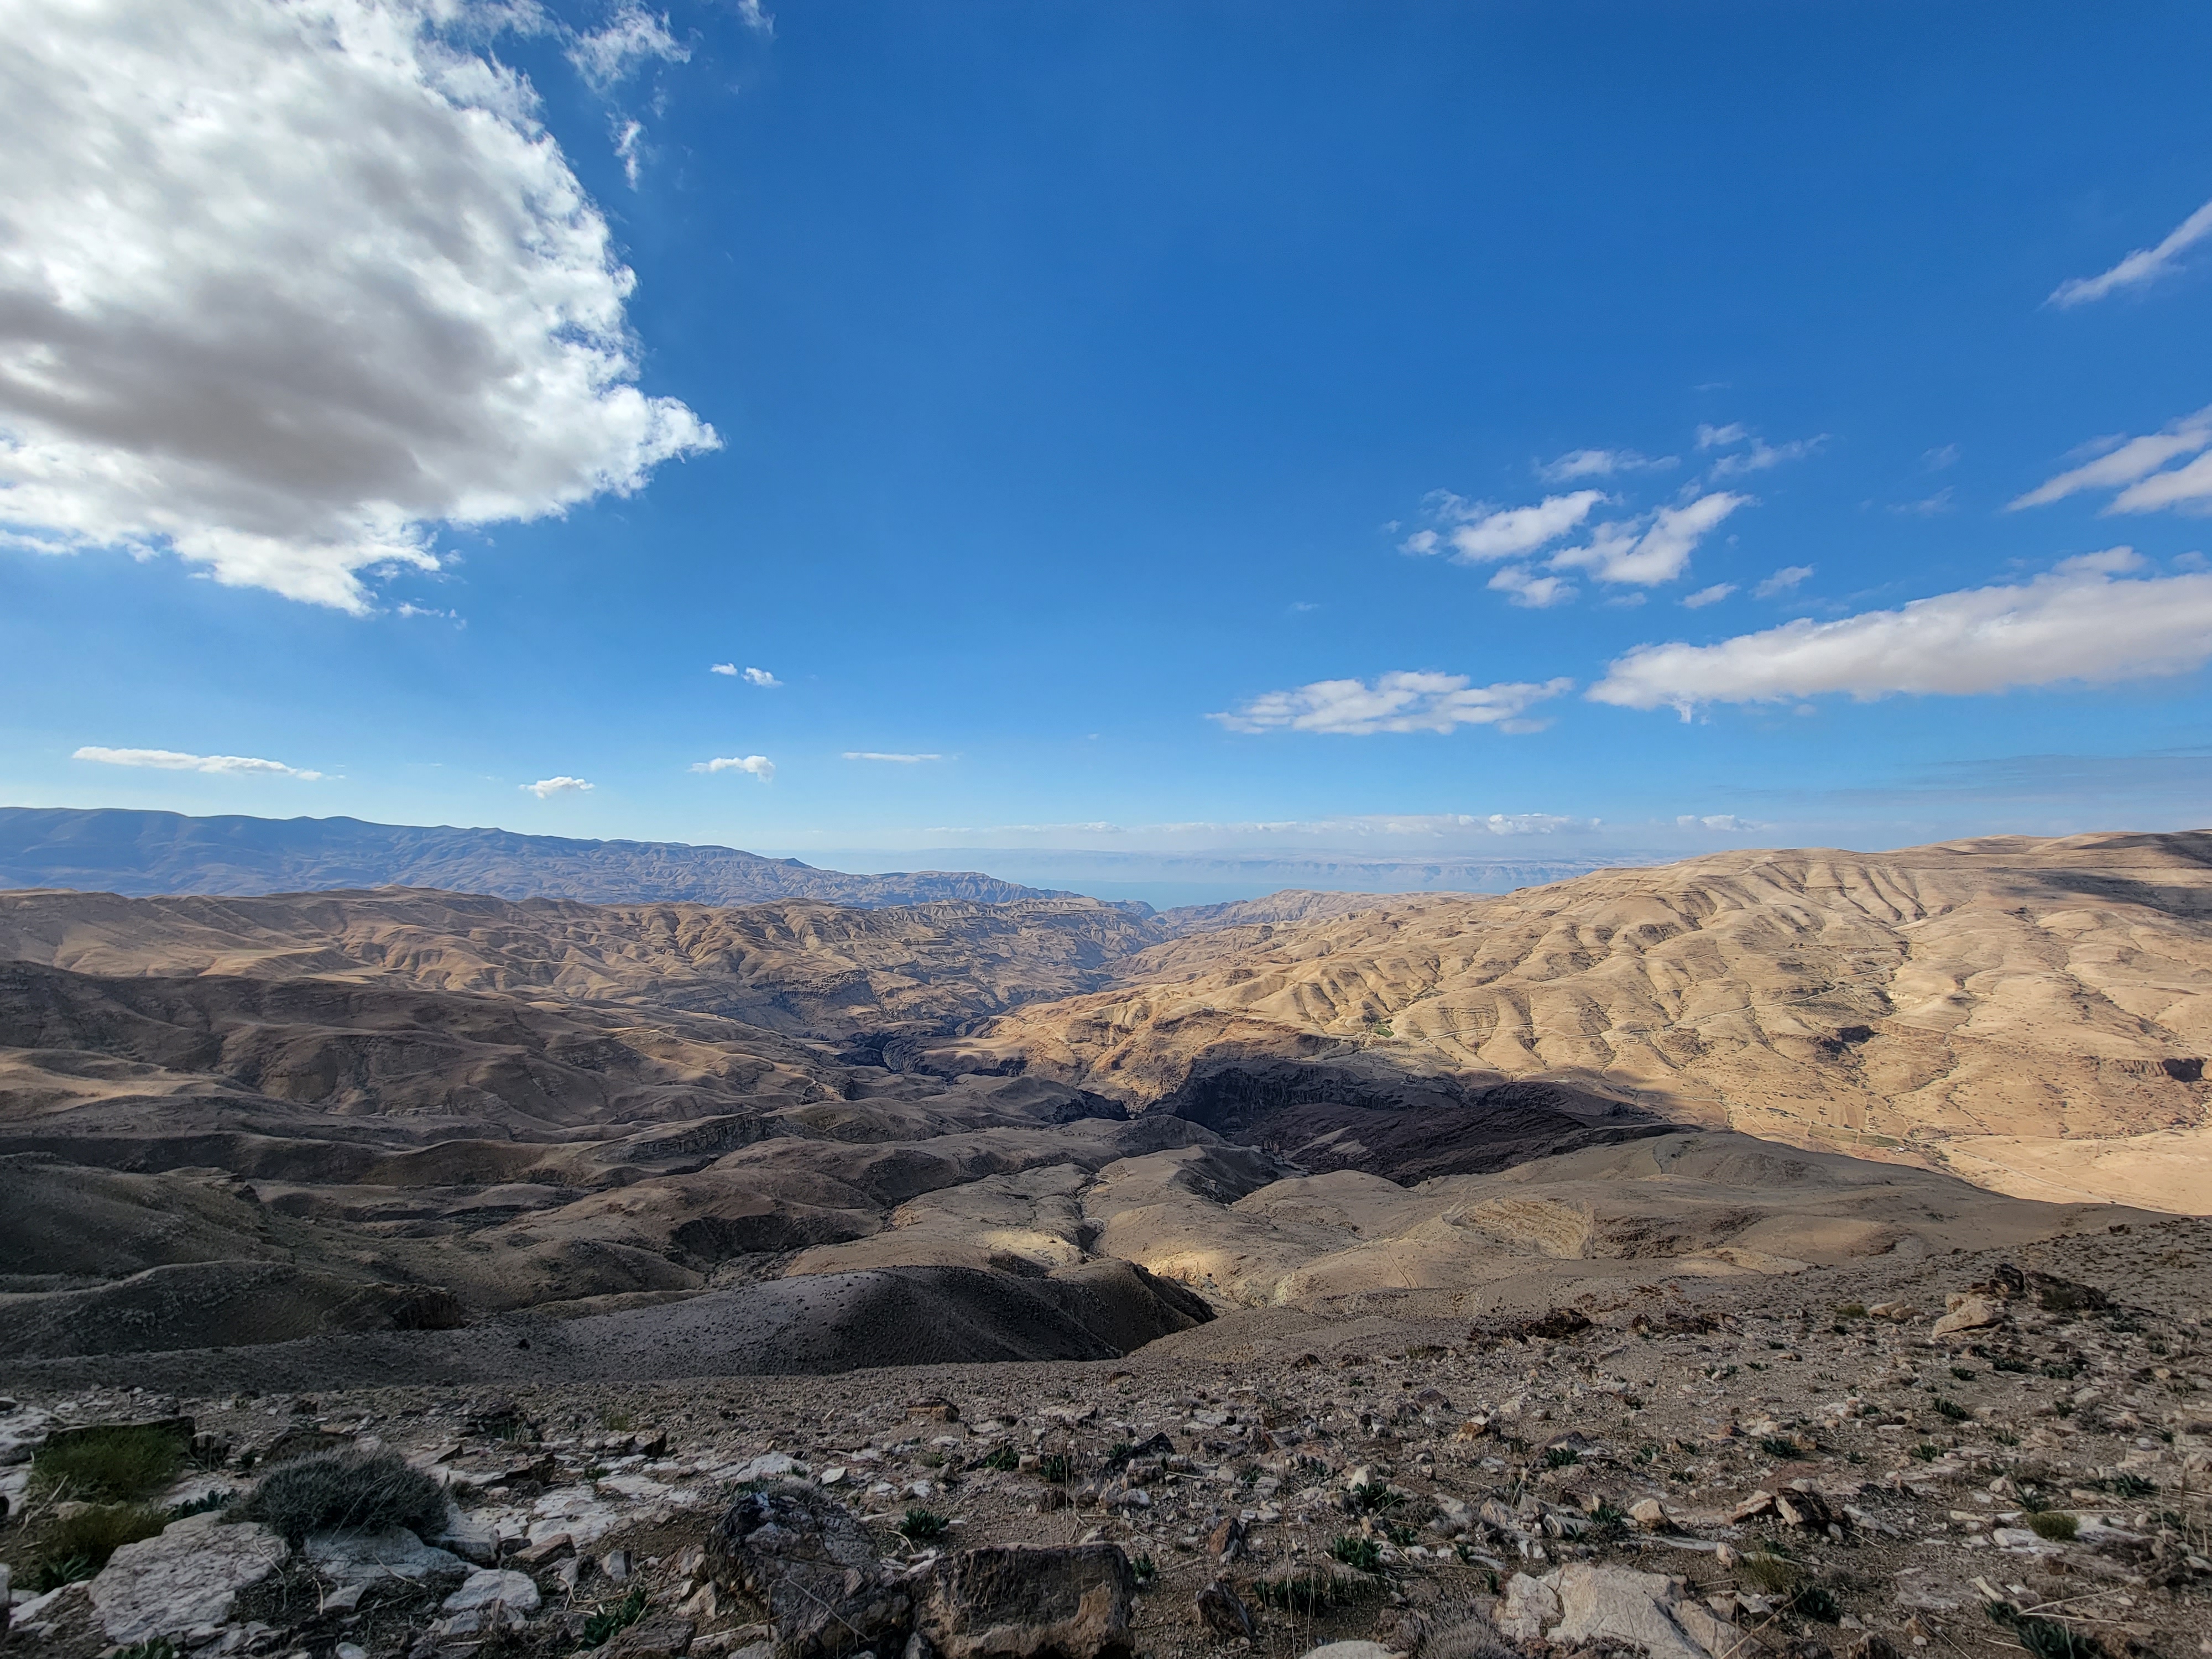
column 488, row 1587
column 189, row 1576
column 362, row 1558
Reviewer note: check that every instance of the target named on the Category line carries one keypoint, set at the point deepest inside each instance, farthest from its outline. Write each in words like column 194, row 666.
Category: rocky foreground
column 1978, row 1452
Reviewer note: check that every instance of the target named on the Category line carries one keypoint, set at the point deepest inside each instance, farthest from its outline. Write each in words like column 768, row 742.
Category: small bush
column 1926, row 1452
column 1143, row 1567
column 1851, row 1310
column 1560, row 1457
column 1964, row 1373
column 1360, row 1554
column 1777, row 1447
column 1951, row 1412
column 120, row 1464
column 1312, row 1589
column 1816, row 1602
column 618, row 1420
column 2130, row 1485
column 1120, row 1452
column 2004, row 1437
column 608, row 1622
column 1373, row 1500
column 370, row 1491
column 1006, row 1459
column 1057, row 1467
column 77, row 1545
column 923, row 1526
column 1772, row 1575
column 2055, row 1524
column 2047, row 1639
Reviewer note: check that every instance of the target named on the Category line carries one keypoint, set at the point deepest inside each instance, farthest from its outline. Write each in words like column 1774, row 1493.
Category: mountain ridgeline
column 137, row 854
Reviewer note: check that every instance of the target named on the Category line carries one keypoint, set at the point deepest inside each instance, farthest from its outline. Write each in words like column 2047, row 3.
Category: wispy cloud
column 1599, row 464
column 1719, row 437
column 1488, row 534
column 1401, row 702
column 2085, row 620
column 633, row 37
column 1760, row 455
column 760, row 676
column 1784, row 580
column 171, row 760
column 898, row 760
column 1928, row 507
column 383, row 372
column 546, row 788
column 2130, row 466
column 1705, row 596
column 759, row 765
column 755, row 16
column 728, row 669
column 1522, row 586
column 1661, row 553
column 2145, row 264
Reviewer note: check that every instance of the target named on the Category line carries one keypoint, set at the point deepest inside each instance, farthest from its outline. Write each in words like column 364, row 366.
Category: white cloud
column 728, row 668
column 1717, row 821
column 759, row 765
column 633, row 37
column 899, row 760
column 1599, row 464
column 169, row 760
column 287, row 286
column 1398, row 702
column 1761, row 455
column 2129, row 462
column 1506, row 533
column 1781, row 581
column 1705, row 596
column 1935, row 460
column 2145, row 264
column 1662, row 553
column 1928, row 507
column 629, row 149
column 1720, row 437
column 760, row 676
column 546, row 788
column 754, row 15
column 2081, row 621
column 1524, row 587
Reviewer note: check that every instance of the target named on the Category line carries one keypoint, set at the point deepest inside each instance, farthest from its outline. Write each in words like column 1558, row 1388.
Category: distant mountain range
column 137, row 854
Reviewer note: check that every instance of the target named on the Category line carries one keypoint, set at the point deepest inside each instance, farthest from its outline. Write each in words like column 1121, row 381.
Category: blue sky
column 1106, row 403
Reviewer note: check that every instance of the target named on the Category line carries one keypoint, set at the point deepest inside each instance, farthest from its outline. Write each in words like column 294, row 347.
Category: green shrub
column 1560, row 1457
column 1951, row 1412
column 1775, row 1447
column 205, row 1504
column 1772, row 1575
column 2054, row 1524
column 1360, row 1554
column 1373, row 1499
column 77, row 1545
column 1057, row 1467
column 608, row 1622
column 923, row 1526
column 119, row 1464
column 1004, row 1458
column 370, row 1491
column 1143, row 1567
column 1315, row 1589
column 1816, row 1602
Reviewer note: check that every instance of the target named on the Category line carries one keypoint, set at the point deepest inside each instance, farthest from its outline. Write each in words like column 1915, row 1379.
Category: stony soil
column 1240, row 1451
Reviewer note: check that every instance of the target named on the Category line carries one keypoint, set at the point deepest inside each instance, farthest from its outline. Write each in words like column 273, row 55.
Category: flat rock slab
column 364, row 1557
column 488, row 1587
column 187, row 1577
column 1619, row 1604
column 1071, row 1603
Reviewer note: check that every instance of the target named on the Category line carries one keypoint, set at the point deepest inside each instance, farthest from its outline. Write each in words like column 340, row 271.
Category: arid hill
column 2033, row 1014
column 240, row 1120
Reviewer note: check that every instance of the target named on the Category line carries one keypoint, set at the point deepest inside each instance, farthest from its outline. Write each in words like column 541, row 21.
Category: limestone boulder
column 185, row 1579
column 1059, row 1603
